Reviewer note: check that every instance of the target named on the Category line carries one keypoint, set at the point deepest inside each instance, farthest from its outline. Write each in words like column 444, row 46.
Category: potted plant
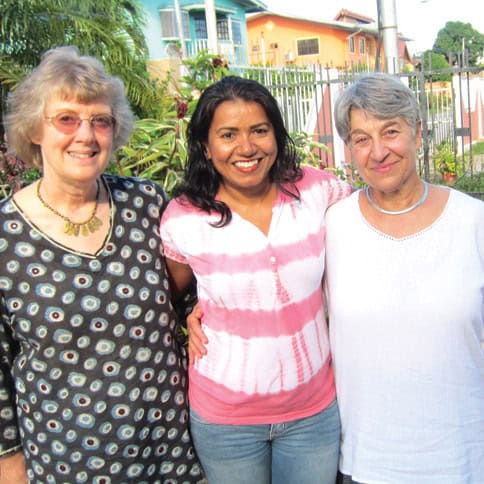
column 445, row 162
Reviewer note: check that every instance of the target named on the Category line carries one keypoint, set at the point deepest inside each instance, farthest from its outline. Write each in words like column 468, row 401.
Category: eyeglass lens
column 69, row 122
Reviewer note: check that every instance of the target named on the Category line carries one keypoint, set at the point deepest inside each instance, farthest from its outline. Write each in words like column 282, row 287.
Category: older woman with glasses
column 92, row 375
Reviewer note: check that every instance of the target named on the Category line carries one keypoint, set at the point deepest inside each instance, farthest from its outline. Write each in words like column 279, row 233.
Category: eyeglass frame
column 51, row 119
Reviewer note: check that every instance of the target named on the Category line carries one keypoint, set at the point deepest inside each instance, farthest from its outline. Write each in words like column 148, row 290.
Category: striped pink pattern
column 268, row 354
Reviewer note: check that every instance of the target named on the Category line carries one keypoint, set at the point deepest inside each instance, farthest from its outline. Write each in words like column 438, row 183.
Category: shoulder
column 312, row 175
column 464, row 200
column 123, row 187
column 345, row 207
column 323, row 184
column 181, row 206
column 130, row 182
column 463, row 207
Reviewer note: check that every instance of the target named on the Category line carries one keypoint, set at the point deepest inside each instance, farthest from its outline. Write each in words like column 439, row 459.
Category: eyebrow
column 386, row 125
column 254, row 126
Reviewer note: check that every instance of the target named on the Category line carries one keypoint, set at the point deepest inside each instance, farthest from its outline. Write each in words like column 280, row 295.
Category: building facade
column 167, row 42
column 348, row 41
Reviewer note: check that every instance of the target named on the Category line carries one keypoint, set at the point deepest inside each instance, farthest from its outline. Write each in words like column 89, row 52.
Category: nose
column 246, row 146
column 379, row 151
column 85, row 130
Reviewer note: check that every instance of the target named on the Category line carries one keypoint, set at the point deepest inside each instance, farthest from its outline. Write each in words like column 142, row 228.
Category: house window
column 236, row 32
column 308, row 46
column 169, row 29
column 223, row 32
column 200, row 26
column 361, row 45
column 352, row 44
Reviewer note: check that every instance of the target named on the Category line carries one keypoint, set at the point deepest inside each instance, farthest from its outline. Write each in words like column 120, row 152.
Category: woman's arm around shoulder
column 12, row 469
column 334, row 187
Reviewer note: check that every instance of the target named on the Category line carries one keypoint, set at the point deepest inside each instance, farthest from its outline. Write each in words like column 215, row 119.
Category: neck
column 248, row 198
column 68, row 195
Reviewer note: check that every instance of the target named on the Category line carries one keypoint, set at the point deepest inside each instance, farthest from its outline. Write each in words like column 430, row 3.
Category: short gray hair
column 382, row 95
column 62, row 73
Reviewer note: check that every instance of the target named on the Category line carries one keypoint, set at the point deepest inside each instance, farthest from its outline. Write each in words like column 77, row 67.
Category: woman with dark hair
column 249, row 223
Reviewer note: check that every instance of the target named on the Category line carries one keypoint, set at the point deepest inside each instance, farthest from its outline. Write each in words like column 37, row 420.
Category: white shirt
column 407, row 336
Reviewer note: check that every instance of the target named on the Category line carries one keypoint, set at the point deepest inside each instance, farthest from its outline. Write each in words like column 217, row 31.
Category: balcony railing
column 231, row 52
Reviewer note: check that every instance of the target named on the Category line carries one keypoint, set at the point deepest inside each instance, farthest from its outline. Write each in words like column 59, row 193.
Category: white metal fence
column 452, row 111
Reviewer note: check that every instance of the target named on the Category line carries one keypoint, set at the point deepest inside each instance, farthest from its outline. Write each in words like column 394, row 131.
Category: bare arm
column 181, row 276
column 12, row 469
column 196, row 337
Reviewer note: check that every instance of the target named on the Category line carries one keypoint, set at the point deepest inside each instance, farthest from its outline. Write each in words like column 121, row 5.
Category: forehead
column 365, row 121
column 238, row 111
column 60, row 103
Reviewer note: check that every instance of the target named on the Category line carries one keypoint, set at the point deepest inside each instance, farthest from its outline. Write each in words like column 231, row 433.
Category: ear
column 207, row 152
column 36, row 137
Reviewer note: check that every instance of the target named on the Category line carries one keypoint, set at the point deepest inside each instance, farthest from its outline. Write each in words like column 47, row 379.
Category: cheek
column 358, row 157
column 106, row 143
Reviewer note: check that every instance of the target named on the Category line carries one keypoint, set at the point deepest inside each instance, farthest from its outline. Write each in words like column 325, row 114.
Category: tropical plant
column 13, row 172
column 157, row 148
column 444, row 159
column 110, row 30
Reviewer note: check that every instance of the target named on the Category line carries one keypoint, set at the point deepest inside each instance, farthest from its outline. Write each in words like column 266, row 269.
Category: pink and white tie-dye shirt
column 268, row 355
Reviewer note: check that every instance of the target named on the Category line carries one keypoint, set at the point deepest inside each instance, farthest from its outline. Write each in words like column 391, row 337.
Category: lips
column 384, row 168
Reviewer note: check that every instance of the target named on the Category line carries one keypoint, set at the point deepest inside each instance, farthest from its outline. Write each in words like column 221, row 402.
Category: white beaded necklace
column 398, row 212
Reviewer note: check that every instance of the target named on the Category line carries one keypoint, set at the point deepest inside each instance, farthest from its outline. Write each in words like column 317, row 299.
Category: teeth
column 246, row 164
column 81, row 155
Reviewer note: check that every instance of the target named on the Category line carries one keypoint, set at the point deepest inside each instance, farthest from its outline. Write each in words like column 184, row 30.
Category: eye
column 103, row 121
column 360, row 140
column 67, row 119
column 227, row 135
column 261, row 131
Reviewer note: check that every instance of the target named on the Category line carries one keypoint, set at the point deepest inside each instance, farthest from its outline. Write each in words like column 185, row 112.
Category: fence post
column 425, row 130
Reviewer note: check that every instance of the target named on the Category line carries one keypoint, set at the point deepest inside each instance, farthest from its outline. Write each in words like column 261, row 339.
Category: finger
column 197, row 346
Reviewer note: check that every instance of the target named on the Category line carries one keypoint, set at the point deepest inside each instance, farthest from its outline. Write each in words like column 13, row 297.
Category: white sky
column 419, row 20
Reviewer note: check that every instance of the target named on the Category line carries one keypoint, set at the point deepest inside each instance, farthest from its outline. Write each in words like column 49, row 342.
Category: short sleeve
column 172, row 233
column 338, row 189
column 9, row 433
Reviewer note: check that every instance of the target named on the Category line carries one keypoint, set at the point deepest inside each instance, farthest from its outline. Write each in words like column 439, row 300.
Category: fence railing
column 452, row 111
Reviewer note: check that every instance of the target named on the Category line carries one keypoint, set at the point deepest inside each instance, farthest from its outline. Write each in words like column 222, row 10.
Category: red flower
column 217, row 62
column 181, row 109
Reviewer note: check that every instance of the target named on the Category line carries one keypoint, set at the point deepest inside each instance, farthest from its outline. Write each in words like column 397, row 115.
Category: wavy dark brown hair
column 201, row 182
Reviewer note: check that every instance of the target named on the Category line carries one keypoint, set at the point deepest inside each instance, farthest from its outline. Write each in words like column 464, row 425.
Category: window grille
column 169, row 28
column 308, row 46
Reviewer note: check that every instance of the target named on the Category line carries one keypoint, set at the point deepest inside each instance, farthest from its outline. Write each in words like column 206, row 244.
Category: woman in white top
column 405, row 282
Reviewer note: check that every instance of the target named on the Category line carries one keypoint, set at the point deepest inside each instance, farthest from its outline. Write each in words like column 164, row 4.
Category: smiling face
column 384, row 151
column 242, row 146
column 79, row 157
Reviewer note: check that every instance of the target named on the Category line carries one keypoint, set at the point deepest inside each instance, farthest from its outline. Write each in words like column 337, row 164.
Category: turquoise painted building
column 164, row 40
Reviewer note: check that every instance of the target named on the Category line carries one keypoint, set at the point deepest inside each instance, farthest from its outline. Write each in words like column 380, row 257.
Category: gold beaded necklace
column 92, row 224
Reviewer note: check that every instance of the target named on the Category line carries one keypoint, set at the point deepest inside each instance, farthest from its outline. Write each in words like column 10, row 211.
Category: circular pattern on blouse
column 99, row 370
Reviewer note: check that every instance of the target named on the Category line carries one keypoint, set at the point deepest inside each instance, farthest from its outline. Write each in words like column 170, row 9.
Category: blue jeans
column 303, row 451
